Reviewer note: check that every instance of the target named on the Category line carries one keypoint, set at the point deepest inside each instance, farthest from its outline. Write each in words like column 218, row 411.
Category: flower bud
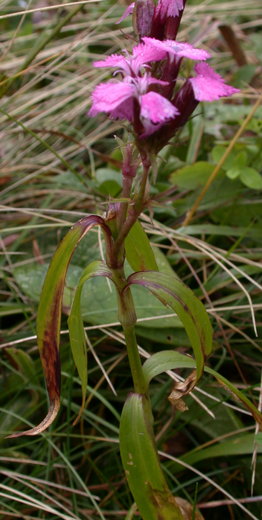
column 143, row 17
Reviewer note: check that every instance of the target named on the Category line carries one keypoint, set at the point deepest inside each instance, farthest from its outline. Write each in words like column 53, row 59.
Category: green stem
column 127, row 318
column 134, row 360
column 126, row 217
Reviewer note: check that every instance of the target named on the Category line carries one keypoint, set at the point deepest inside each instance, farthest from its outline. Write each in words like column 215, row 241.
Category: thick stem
column 127, row 318
column 135, row 361
column 126, row 216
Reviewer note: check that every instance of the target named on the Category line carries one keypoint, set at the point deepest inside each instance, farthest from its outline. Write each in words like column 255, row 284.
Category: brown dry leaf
column 180, row 389
column 187, row 510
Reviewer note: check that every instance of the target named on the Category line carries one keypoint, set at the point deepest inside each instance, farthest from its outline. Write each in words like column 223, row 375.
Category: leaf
column 76, row 330
column 192, row 176
column 49, row 315
column 188, row 510
column 141, row 463
column 139, row 252
column 217, row 153
column 240, row 445
column 174, row 293
column 97, row 297
column 251, row 178
column 163, row 264
column 233, row 172
column 23, row 363
column 170, row 360
column 108, row 181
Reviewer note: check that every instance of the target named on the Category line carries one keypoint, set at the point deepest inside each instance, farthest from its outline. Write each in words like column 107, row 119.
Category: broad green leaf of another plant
column 49, row 315
column 139, row 252
column 170, row 360
column 140, row 460
column 251, row 178
column 75, row 325
column 193, row 175
column 175, row 294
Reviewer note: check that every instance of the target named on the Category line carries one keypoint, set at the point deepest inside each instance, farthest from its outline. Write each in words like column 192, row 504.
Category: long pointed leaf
column 141, row 463
column 49, row 315
column 175, row 294
column 76, row 329
column 169, row 360
column 139, row 252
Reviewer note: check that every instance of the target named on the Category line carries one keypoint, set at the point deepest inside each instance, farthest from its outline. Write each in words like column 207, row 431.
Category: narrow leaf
column 141, row 463
column 169, row 360
column 139, row 252
column 75, row 325
column 173, row 292
column 49, row 315
column 240, row 445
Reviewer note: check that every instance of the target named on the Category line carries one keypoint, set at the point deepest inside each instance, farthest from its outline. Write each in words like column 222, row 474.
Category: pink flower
column 208, row 85
column 150, row 19
column 166, row 19
column 109, row 97
column 176, row 49
column 155, row 111
column 167, row 8
column 132, row 64
column 129, row 99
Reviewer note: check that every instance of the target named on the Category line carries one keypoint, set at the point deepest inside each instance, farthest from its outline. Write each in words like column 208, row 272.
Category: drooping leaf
column 170, row 360
column 141, row 463
column 173, row 292
column 139, row 252
column 75, row 325
column 49, row 315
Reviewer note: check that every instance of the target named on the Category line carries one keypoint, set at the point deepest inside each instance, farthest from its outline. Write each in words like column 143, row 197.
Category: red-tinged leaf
column 49, row 315
column 76, row 329
column 175, row 294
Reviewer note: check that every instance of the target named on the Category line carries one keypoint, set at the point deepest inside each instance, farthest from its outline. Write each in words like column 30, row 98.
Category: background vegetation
column 56, row 166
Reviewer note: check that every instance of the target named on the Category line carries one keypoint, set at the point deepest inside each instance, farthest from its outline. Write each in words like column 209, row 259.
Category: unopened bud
column 143, row 17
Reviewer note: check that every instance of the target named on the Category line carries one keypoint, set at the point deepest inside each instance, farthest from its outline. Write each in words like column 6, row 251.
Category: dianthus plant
column 149, row 92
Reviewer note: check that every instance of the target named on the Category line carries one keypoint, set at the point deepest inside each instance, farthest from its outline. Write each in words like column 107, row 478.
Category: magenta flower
column 147, row 94
column 175, row 49
column 159, row 21
column 166, row 8
column 166, row 19
column 131, row 99
column 208, row 85
column 132, row 64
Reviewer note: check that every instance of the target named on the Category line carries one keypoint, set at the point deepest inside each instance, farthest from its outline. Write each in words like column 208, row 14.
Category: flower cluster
column 147, row 91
